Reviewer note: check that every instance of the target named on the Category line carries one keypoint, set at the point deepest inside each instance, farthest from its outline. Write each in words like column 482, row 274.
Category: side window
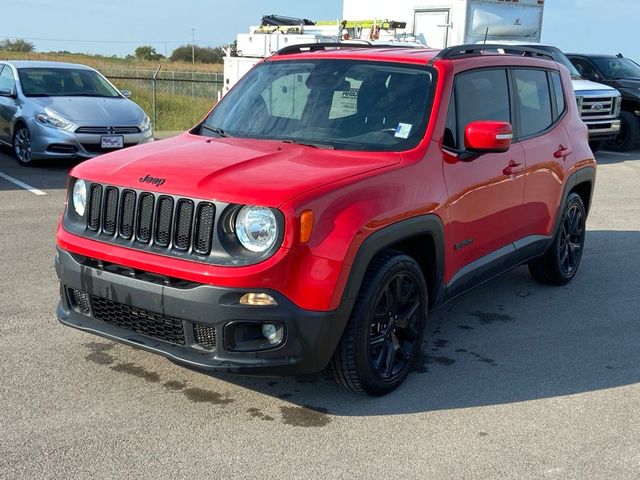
column 533, row 100
column 559, row 94
column 480, row 95
column 7, row 82
column 450, row 139
column 583, row 67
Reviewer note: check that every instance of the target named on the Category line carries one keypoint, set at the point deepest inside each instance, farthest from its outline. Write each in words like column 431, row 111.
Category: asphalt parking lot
column 517, row 380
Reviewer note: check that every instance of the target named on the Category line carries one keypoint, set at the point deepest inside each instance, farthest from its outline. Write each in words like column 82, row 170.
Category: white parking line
column 35, row 191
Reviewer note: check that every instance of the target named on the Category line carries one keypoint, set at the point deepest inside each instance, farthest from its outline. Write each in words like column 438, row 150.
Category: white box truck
column 443, row 23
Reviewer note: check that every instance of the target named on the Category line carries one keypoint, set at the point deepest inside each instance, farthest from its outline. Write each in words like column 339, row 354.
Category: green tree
column 147, row 52
column 17, row 45
column 201, row 54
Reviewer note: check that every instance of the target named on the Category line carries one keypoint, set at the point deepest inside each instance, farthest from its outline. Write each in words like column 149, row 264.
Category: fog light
column 269, row 331
column 253, row 336
column 257, row 299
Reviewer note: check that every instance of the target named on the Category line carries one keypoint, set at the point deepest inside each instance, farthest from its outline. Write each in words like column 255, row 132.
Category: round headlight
column 80, row 197
column 256, row 228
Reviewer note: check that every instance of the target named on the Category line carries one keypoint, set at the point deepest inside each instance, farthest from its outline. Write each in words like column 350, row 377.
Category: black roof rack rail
column 459, row 51
column 357, row 43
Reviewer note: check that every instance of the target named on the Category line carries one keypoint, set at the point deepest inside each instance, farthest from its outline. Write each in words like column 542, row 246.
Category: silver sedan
column 53, row 110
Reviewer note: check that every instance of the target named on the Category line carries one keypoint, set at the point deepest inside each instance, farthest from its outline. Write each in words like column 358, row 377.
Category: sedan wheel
column 22, row 145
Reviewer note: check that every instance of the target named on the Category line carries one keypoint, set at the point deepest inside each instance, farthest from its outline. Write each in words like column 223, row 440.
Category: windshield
column 341, row 104
column 559, row 57
column 615, row 68
column 64, row 82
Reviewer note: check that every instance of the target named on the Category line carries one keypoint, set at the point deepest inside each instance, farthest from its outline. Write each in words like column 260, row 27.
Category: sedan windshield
column 341, row 104
column 64, row 82
column 615, row 68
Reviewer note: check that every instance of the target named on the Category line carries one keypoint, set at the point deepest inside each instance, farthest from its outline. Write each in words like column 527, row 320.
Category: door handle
column 562, row 152
column 513, row 168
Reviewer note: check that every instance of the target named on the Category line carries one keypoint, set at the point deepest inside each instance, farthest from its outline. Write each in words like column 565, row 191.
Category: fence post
column 153, row 96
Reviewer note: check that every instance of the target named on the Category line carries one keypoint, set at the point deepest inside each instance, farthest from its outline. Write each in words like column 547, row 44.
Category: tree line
column 184, row 53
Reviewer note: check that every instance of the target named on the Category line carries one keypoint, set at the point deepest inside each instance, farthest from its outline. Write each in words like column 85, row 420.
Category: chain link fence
column 173, row 100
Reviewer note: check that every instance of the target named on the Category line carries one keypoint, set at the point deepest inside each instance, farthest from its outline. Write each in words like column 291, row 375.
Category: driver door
column 8, row 105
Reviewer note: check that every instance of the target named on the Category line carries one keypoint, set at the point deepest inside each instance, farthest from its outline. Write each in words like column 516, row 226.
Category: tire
column 597, row 145
column 629, row 136
column 384, row 334
column 560, row 263
column 22, row 145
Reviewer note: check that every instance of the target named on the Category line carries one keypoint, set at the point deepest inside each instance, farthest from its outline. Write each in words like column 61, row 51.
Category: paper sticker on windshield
column 403, row 130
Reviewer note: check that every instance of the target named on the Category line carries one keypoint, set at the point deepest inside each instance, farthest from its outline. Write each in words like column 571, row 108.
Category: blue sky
column 117, row 27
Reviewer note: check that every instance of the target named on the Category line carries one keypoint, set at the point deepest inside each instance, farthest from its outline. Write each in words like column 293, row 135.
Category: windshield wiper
column 310, row 144
column 218, row 131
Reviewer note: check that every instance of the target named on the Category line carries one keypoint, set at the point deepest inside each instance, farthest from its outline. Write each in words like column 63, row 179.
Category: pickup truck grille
column 597, row 108
column 145, row 220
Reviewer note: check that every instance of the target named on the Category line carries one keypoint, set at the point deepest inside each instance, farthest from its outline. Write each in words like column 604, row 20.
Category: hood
column 234, row 170
column 94, row 111
column 629, row 82
column 588, row 85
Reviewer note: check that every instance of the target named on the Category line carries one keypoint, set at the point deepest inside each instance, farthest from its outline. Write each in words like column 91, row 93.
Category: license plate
column 112, row 141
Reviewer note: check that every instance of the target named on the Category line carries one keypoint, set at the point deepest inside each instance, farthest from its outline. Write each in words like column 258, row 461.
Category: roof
column 401, row 54
column 420, row 56
column 43, row 64
column 592, row 55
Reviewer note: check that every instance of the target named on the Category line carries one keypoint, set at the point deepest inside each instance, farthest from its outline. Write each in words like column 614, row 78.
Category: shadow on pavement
column 510, row 340
column 605, row 157
column 44, row 175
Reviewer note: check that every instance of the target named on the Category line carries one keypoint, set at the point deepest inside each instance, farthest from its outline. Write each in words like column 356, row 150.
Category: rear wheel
column 560, row 263
column 385, row 331
column 629, row 136
column 22, row 145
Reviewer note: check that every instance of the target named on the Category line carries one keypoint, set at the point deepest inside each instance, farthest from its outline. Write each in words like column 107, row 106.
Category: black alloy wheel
column 572, row 235
column 394, row 326
column 384, row 334
column 559, row 264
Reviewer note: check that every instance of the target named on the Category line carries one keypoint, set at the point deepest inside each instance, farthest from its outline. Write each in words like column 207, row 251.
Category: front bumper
column 310, row 337
column 603, row 129
column 48, row 142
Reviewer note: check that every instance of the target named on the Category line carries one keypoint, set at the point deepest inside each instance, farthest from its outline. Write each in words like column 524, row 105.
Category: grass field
column 98, row 62
column 174, row 111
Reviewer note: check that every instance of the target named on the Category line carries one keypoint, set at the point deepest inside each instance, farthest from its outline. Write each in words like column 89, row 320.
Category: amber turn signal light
column 306, row 226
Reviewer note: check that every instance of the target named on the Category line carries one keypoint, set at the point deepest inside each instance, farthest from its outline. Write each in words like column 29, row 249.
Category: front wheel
column 385, row 331
column 22, row 145
column 559, row 264
column 629, row 136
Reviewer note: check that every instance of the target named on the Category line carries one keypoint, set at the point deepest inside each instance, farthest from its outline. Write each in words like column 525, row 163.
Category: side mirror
column 487, row 136
column 126, row 93
column 4, row 92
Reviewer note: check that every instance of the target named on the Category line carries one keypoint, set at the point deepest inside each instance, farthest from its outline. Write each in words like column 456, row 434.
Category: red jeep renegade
column 332, row 199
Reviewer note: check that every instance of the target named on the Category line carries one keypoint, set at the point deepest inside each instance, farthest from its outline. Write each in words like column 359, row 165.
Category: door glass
column 481, row 95
column 534, row 101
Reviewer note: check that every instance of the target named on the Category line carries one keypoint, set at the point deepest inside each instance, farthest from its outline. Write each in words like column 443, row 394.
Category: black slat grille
column 163, row 221
column 110, row 210
column 145, row 217
column 127, row 214
column 184, row 220
column 144, row 322
column 204, row 228
column 148, row 221
column 95, row 200
column 205, row 336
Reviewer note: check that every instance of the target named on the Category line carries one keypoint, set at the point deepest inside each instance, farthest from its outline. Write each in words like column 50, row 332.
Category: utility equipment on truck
column 442, row 23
